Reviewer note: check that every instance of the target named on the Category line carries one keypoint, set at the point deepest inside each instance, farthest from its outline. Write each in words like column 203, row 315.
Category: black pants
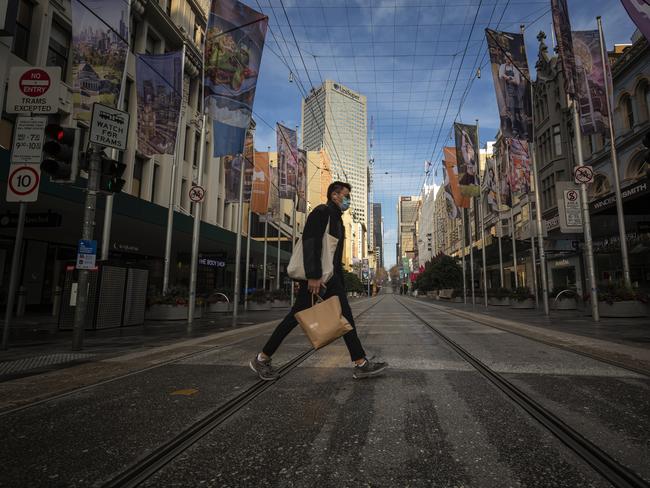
column 303, row 301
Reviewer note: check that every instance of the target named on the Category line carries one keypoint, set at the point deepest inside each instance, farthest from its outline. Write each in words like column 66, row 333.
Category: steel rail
column 610, row 469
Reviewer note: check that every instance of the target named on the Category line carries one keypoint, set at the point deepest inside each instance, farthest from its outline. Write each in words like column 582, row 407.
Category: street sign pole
column 15, row 269
column 277, row 275
column 481, row 213
column 293, row 234
column 240, row 217
column 266, row 235
column 586, row 220
column 617, row 178
column 196, row 229
column 87, row 233
column 462, row 247
column 248, row 254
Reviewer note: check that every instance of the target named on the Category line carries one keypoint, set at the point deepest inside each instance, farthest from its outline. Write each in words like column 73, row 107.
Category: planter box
column 499, row 302
column 565, row 304
column 255, row 307
column 220, row 307
column 279, row 304
column 624, row 309
column 171, row 312
column 525, row 304
column 457, row 300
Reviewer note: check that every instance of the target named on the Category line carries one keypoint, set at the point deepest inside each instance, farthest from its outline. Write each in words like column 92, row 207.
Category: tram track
column 595, row 357
column 164, row 454
column 610, row 469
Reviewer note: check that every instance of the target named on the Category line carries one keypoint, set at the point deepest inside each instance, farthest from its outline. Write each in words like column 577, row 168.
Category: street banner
column 100, row 43
column 249, row 163
column 503, row 172
column 274, row 192
column 159, row 87
column 232, row 168
column 519, row 167
column 452, row 191
column 261, row 184
column 232, row 56
column 490, row 185
column 467, row 161
column 511, row 83
column 639, row 12
column 301, row 181
column 591, row 77
column 562, row 28
column 287, row 141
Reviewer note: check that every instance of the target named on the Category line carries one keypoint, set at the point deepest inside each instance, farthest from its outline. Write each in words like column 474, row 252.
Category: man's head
column 339, row 193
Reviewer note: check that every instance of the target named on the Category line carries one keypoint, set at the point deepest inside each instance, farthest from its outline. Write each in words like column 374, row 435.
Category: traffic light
column 111, row 176
column 60, row 158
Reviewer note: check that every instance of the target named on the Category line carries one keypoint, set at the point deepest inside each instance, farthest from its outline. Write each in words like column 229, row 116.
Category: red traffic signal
column 60, row 153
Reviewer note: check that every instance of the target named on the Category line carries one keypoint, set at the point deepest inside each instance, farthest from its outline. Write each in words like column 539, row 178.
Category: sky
column 416, row 62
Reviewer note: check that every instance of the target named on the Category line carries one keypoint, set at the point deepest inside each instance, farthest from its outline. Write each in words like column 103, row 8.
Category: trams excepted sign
column 33, row 90
column 23, row 182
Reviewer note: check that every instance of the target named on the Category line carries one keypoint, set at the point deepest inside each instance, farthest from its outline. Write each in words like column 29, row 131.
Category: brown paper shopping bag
column 323, row 322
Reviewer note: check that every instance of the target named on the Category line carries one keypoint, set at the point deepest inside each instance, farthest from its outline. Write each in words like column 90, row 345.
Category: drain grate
column 27, row 364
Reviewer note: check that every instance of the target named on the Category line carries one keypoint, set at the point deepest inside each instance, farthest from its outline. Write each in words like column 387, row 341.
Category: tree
column 352, row 282
column 441, row 272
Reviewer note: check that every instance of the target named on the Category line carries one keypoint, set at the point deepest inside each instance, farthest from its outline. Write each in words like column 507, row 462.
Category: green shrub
column 521, row 294
column 499, row 293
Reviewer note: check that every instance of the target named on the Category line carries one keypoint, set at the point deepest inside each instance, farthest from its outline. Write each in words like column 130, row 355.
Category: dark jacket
column 312, row 239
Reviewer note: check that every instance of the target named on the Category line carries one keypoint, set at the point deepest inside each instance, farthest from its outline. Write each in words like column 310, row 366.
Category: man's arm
column 312, row 242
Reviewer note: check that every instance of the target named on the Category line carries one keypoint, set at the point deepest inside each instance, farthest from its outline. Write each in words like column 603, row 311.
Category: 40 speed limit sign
column 23, row 182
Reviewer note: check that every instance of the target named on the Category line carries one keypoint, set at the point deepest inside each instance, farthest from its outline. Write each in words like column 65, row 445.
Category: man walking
column 338, row 201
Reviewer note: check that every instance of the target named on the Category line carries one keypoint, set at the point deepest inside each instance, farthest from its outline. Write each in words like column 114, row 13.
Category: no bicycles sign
column 583, row 174
column 23, row 182
column 197, row 193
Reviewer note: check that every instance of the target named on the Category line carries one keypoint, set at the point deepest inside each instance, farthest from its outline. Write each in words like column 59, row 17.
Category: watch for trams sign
column 23, row 182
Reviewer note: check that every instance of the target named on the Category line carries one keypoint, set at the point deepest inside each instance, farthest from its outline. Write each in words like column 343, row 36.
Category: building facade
column 378, row 234
column 335, row 118
column 407, row 228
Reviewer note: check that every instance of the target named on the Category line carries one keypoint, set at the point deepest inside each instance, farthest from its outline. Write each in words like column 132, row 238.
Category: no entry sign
column 23, row 182
column 33, row 90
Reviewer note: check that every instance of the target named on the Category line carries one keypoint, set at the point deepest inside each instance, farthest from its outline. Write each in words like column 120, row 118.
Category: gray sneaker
column 369, row 369
column 263, row 369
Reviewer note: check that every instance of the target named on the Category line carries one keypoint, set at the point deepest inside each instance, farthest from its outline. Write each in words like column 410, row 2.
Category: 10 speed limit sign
column 23, row 182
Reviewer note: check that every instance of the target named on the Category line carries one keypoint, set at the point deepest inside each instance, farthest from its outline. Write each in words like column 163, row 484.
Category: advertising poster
column 301, row 181
column 232, row 168
column 467, row 160
column 159, row 87
column 452, row 191
column 562, row 28
column 490, row 186
column 590, row 81
column 261, row 184
column 287, row 141
column 100, row 42
column 503, row 173
column 519, row 171
column 274, row 192
column 233, row 52
column 510, row 75
column 639, row 12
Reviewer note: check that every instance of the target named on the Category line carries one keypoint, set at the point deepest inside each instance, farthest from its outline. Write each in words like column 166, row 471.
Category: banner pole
column 240, row 218
column 248, row 255
column 462, row 211
column 481, row 214
column 277, row 276
column 500, row 223
column 15, row 271
column 266, row 235
column 617, row 179
column 293, row 234
column 172, row 196
column 586, row 220
column 512, row 226
column 196, row 228
column 532, row 251
column 471, row 250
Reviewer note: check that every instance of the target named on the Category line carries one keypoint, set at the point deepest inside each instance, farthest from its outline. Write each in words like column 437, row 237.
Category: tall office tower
column 377, row 237
column 407, row 227
column 335, row 118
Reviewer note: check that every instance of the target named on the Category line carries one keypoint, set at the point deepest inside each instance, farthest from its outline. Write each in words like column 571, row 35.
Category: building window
column 628, row 111
column 557, row 140
column 186, row 148
column 154, row 182
column 184, row 195
column 197, row 148
column 20, row 46
column 138, row 167
column 58, row 49
column 152, row 44
column 127, row 94
column 133, row 34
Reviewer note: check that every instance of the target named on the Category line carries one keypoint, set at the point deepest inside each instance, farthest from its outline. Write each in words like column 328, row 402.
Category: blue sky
column 414, row 60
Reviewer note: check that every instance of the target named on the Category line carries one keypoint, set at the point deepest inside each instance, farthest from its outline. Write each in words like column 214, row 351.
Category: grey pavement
column 430, row 420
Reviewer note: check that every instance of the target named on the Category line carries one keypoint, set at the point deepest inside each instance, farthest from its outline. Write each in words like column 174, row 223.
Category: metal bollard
column 20, row 309
column 56, row 303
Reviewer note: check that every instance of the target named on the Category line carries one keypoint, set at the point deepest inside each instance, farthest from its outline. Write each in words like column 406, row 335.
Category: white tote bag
column 296, row 268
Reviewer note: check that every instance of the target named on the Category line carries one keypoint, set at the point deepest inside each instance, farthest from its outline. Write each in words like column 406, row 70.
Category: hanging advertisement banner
column 452, row 191
column 490, row 186
column 562, row 28
column 159, row 88
column 232, row 168
column 503, row 172
column 287, row 141
column 511, row 83
column 639, row 12
column 233, row 52
column 301, row 181
column 261, row 184
column 590, row 81
column 100, row 34
column 249, row 163
column 467, row 161
column 274, row 191
column 519, row 167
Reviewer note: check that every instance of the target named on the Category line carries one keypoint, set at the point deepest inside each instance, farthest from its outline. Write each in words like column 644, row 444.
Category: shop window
column 59, row 48
column 20, row 45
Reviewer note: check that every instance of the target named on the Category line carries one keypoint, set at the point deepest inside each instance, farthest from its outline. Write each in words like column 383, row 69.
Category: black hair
column 337, row 186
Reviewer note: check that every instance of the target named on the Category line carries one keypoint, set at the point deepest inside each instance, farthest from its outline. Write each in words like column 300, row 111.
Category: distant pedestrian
column 338, row 201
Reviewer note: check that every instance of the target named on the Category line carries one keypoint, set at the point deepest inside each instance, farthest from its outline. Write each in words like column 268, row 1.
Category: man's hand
column 314, row 286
